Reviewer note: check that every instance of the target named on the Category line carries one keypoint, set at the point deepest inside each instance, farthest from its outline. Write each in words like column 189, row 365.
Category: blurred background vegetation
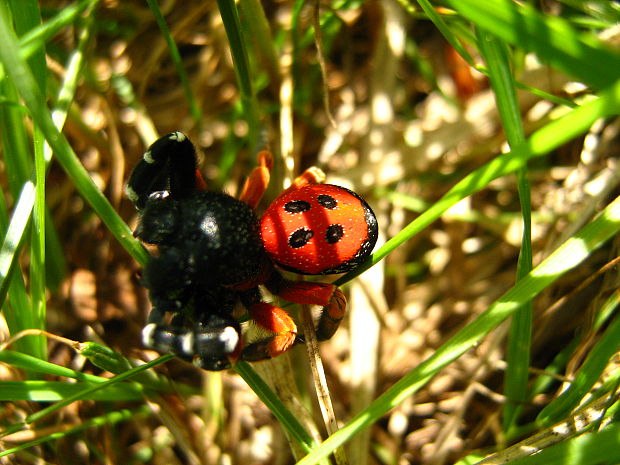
column 411, row 104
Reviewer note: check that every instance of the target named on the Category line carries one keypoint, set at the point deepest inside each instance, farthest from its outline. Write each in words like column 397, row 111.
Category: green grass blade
column 16, row 146
column 496, row 55
column 14, row 138
column 17, row 157
column 15, row 235
column 284, row 416
column 258, row 29
column 546, row 139
column 553, row 39
column 32, row 40
column 25, row 201
column 37, row 268
column 17, row 309
column 232, row 24
column 589, row 373
column 176, row 59
column 588, row 449
column 500, row 73
column 55, row 391
column 565, row 258
column 91, row 390
column 107, row 419
column 542, row 384
column 27, row 362
column 445, row 30
column 451, row 37
column 26, row 17
column 22, row 77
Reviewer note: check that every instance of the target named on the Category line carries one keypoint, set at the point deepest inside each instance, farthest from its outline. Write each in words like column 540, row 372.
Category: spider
column 213, row 253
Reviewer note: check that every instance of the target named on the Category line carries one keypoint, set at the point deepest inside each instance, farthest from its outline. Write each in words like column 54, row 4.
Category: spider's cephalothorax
column 213, row 253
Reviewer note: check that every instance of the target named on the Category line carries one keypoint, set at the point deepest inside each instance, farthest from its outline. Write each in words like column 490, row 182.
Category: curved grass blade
column 89, row 391
column 540, row 143
column 54, row 391
column 552, row 38
column 589, row 374
column 570, row 254
column 31, row 41
column 34, row 100
column 107, row 419
column 587, row 449
column 284, row 416
column 496, row 55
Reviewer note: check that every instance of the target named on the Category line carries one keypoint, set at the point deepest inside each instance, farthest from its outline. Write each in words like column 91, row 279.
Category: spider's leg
column 201, row 328
column 217, row 344
column 327, row 295
column 168, row 165
column 273, row 319
column 312, row 175
column 209, row 345
column 258, row 180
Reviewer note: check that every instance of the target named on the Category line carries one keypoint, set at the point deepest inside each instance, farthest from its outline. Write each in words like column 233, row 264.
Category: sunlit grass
column 494, row 37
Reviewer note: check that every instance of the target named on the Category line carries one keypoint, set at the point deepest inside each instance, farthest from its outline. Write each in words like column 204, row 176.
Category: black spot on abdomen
column 334, row 233
column 327, row 201
column 300, row 238
column 297, row 206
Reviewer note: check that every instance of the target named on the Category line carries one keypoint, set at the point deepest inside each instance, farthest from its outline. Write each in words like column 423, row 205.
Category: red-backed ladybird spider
column 213, row 253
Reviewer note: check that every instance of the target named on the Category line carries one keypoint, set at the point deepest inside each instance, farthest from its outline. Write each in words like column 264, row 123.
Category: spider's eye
column 159, row 195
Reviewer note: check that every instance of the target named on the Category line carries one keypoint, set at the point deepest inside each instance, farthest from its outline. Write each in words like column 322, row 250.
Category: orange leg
column 312, row 175
column 274, row 320
column 331, row 316
column 201, row 184
column 258, row 180
column 256, row 184
column 312, row 293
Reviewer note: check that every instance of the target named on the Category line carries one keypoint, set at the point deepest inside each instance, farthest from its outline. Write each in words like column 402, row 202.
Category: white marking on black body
column 148, row 157
column 187, row 343
column 178, row 136
column 147, row 334
column 230, row 336
column 131, row 193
